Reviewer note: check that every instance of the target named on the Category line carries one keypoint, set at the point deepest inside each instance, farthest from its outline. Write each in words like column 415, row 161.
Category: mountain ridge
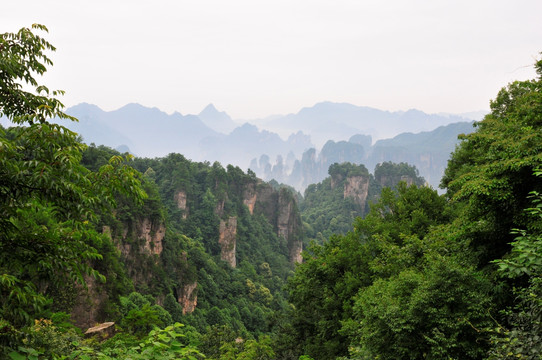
column 338, row 121
column 217, row 120
column 150, row 132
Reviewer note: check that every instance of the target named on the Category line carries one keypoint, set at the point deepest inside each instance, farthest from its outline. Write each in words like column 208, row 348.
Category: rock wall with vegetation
column 331, row 206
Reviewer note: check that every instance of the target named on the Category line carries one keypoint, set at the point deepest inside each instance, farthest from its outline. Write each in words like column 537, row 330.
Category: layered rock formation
column 188, row 297
column 289, row 225
column 227, row 240
column 153, row 236
column 280, row 209
column 357, row 187
column 180, row 200
column 250, row 197
column 148, row 237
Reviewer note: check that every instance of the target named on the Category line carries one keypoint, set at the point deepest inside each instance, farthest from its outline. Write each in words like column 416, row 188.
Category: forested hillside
column 429, row 276
column 211, row 234
column 177, row 259
column 331, row 206
column 91, row 236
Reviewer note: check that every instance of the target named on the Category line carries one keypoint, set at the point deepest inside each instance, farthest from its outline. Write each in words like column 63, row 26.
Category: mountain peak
column 85, row 107
column 217, row 120
column 210, row 110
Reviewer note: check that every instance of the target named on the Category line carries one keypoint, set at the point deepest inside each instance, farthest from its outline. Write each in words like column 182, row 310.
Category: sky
column 255, row 58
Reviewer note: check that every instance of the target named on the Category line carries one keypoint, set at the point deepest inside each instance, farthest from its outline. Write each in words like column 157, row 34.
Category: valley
column 134, row 234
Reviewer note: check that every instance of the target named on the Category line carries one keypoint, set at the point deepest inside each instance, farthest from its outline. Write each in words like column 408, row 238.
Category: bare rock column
column 227, row 240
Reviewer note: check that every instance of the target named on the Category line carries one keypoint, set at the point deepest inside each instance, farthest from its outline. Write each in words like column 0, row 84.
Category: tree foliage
column 327, row 209
column 520, row 337
column 48, row 200
column 388, row 174
column 324, row 289
column 492, row 169
column 418, row 268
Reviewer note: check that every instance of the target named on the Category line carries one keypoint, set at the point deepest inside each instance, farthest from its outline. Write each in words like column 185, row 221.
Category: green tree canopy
column 491, row 171
column 48, row 200
column 324, row 288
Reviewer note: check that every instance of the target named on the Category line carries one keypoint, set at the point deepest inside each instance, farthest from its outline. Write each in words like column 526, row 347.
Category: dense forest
column 168, row 258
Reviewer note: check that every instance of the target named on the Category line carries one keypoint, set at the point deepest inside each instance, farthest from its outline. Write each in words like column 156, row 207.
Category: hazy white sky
column 255, row 58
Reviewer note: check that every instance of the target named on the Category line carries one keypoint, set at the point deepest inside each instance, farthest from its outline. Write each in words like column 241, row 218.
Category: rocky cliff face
column 250, row 197
column 280, row 209
column 392, row 181
column 180, row 199
column 148, row 236
column 407, row 179
column 289, row 225
column 86, row 310
column 357, row 187
column 142, row 237
column 227, row 240
column 188, row 297
column 153, row 236
column 277, row 206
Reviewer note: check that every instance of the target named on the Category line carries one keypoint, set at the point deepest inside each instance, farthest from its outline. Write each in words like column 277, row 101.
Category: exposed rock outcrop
column 392, row 181
column 407, row 179
column 284, row 223
column 289, row 225
column 280, row 209
column 153, row 236
column 189, row 297
column 250, row 197
column 295, row 253
column 180, row 199
column 357, row 187
column 87, row 307
column 141, row 238
column 227, row 240
column 148, row 233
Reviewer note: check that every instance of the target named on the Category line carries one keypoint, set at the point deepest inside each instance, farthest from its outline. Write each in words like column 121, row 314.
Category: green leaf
column 14, row 355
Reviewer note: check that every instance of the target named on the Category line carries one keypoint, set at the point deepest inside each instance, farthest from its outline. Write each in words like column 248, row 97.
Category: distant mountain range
column 339, row 121
column 148, row 132
column 210, row 136
column 325, row 132
column 428, row 151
